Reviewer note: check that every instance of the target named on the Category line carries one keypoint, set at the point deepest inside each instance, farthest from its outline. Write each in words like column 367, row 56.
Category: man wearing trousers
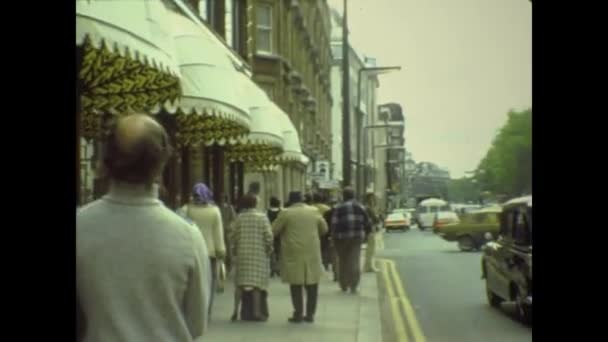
column 350, row 226
column 299, row 228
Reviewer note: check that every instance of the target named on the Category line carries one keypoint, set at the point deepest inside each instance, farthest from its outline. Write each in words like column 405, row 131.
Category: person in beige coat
column 208, row 218
column 300, row 227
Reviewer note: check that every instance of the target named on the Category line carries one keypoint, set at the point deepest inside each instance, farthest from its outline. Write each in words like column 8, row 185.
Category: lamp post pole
column 359, row 114
column 346, row 167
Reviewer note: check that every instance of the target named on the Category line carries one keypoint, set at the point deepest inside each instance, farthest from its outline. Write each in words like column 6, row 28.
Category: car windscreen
column 395, row 217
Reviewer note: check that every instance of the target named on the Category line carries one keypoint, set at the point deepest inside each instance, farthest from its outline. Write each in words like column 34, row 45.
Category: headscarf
column 202, row 194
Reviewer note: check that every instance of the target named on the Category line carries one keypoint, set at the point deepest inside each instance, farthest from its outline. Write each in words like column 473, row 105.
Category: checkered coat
column 252, row 246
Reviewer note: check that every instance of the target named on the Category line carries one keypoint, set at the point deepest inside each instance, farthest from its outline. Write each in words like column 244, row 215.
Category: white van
column 427, row 210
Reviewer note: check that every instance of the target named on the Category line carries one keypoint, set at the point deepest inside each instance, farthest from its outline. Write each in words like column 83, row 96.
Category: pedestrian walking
column 333, row 254
column 300, row 227
column 350, row 226
column 142, row 272
column 254, row 189
column 273, row 212
column 228, row 215
column 252, row 247
column 207, row 216
column 319, row 203
column 370, row 204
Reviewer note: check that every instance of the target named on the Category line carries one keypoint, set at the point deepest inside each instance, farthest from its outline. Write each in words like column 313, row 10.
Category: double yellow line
column 399, row 303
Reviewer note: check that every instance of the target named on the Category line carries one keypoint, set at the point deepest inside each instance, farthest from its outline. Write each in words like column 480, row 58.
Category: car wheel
column 466, row 243
column 524, row 311
column 493, row 299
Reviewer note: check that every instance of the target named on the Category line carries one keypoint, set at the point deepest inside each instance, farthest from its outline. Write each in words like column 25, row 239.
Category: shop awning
column 265, row 140
column 292, row 151
column 127, row 59
column 209, row 89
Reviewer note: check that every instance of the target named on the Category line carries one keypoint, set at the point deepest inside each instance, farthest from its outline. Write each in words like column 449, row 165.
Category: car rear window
column 395, row 216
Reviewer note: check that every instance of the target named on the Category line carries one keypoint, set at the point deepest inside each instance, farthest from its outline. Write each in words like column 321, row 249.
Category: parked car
column 470, row 232
column 506, row 264
column 398, row 220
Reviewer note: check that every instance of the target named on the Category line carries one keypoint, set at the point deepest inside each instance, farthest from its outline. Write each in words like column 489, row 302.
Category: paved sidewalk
column 341, row 317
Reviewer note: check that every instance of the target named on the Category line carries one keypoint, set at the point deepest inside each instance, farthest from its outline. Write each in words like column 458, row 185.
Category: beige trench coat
column 299, row 228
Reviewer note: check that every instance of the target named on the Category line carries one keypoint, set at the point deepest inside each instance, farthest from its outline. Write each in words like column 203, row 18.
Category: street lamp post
column 346, row 171
column 388, row 146
column 377, row 71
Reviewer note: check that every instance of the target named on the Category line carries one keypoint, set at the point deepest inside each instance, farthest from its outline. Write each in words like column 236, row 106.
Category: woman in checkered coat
column 252, row 248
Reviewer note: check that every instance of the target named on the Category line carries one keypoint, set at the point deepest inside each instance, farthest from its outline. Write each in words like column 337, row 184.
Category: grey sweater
column 142, row 272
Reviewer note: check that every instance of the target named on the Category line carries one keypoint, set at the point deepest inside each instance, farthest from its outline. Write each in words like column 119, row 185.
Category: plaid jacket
column 350, row 220
column 251, row 238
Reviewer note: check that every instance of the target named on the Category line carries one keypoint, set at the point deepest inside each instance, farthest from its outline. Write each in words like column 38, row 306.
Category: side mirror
column 488, row 236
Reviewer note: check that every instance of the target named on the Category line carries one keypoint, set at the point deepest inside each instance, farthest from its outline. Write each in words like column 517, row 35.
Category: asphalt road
column 445, row 289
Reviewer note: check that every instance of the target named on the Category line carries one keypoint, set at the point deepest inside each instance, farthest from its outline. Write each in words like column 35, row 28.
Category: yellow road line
column 400, row 333
column 410, row 314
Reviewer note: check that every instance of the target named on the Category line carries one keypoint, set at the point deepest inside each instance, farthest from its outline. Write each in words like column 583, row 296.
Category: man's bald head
column 136, row 150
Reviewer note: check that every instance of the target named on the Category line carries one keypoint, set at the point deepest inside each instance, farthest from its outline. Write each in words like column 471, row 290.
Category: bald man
column 142, row 272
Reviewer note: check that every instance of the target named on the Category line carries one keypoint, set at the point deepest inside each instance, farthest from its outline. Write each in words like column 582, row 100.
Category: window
column 237, row 8
column 233, row 11
column 264, row 29
column 206, row 8
column 229, row 20
column 522, row 234
column 479, row 218
column 507, row 224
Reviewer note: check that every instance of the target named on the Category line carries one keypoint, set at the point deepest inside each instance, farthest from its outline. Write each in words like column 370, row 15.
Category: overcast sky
column 465, row 63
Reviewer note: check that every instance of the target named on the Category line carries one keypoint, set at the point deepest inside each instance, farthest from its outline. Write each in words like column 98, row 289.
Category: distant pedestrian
column 300, row 227
column 350, row 226
column 333, row 254
column 252, row 246
column 255, row 189
column 319, row 203
column 207, row 216
column 228, row 215
column 142, row 272
column 370, row 250
column 273, row 213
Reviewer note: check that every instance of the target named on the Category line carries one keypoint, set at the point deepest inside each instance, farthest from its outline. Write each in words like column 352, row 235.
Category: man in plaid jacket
column 350, row 226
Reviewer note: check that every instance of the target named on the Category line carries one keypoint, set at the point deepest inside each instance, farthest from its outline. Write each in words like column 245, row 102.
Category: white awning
column 292, row 150
column 264, row 143
column 265, row 120
column 126, row 60
column 208, row 76
column 133, row 28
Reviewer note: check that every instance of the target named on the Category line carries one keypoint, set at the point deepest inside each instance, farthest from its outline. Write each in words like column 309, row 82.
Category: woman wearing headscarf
column 207, row 216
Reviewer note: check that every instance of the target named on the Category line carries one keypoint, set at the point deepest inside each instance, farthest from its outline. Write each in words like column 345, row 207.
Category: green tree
column 507, row 166
column 462, row 190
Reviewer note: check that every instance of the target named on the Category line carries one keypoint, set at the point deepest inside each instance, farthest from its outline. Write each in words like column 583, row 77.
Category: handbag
column 221, row 275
